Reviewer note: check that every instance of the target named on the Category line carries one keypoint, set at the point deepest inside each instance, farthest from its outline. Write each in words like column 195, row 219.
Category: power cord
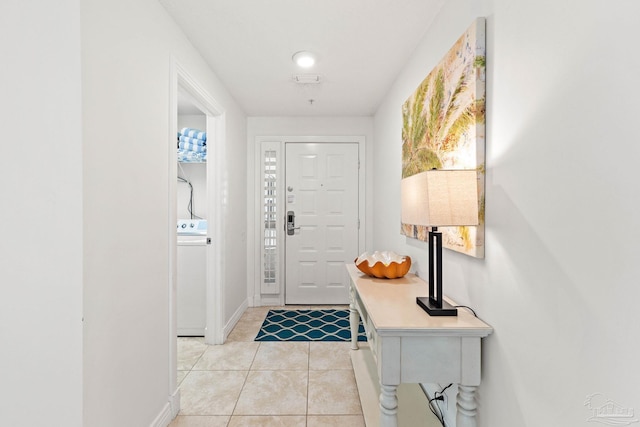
column 466, row 306
column 190, row 207
column 434, row 406
column 438, row 396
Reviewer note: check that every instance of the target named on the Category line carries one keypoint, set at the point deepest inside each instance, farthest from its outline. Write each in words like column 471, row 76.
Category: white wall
column 297, row 126
column 559, row 282
column 193, row 121
column 41, row 214
column 127, row 48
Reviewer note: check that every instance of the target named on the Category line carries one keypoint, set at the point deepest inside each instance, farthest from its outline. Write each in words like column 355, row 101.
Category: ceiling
column 361, row 46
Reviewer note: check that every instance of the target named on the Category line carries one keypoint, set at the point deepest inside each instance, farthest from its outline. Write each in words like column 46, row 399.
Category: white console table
column 409, row 346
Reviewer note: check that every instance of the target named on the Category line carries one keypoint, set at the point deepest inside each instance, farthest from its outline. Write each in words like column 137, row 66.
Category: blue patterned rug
column 308, row 325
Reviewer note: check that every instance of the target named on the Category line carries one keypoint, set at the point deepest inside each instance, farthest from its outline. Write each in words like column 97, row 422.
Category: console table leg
column 354, row 322
column 388, row 406
column 467, row 407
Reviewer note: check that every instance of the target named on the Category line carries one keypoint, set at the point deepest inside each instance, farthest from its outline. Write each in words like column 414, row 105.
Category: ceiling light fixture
column 304, row 59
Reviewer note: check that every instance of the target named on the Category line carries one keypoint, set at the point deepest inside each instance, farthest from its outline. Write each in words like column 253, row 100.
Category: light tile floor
column 264, row 384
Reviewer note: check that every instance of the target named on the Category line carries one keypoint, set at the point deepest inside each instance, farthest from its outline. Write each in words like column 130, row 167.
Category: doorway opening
column 192, row 225
column 195, row 194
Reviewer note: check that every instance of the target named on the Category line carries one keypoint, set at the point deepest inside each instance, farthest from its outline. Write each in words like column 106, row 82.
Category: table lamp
column 439, row 198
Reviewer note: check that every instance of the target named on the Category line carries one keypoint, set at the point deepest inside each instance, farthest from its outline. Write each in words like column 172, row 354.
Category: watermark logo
column 606, row 411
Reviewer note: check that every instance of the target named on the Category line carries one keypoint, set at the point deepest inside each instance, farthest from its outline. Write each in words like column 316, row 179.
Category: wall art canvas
column 443, row 127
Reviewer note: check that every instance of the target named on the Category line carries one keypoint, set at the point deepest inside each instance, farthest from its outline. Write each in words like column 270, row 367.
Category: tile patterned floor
column 244, row 383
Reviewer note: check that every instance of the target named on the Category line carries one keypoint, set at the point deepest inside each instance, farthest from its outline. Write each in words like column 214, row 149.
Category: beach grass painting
column 443, row 127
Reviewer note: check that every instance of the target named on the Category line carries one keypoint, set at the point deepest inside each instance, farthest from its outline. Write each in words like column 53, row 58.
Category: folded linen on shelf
column 188, row 156
column 190, row 140
column 192, row 147
column 194, row 133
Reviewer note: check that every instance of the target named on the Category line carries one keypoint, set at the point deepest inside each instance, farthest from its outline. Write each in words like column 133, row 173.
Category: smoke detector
column 305, row 79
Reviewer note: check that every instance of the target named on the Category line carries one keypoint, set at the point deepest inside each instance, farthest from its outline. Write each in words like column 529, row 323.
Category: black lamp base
column 432, row 308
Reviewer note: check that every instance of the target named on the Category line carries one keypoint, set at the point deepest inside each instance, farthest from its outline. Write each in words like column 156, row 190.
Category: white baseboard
column 270, row 301
column 169, row 411
column 234, row 319
column 164, row 417
column 174, row 402
column 257, row 301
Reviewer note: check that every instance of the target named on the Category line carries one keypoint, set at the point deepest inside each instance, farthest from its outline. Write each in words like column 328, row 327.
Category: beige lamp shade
column 440, row 198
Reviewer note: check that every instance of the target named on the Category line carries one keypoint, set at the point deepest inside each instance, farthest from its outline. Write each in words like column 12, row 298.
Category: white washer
column 192, row 277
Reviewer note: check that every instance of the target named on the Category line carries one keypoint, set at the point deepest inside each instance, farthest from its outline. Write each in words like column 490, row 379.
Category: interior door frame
column 181, row 79
column 362, row 215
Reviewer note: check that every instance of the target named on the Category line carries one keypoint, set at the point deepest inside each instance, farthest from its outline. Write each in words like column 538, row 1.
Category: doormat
column 308, row 325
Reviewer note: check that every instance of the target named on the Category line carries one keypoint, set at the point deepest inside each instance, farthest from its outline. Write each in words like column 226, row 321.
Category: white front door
column 322, row 199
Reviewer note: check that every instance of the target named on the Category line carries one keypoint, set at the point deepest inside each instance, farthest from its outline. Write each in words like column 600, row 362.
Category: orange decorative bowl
column 384, row 264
